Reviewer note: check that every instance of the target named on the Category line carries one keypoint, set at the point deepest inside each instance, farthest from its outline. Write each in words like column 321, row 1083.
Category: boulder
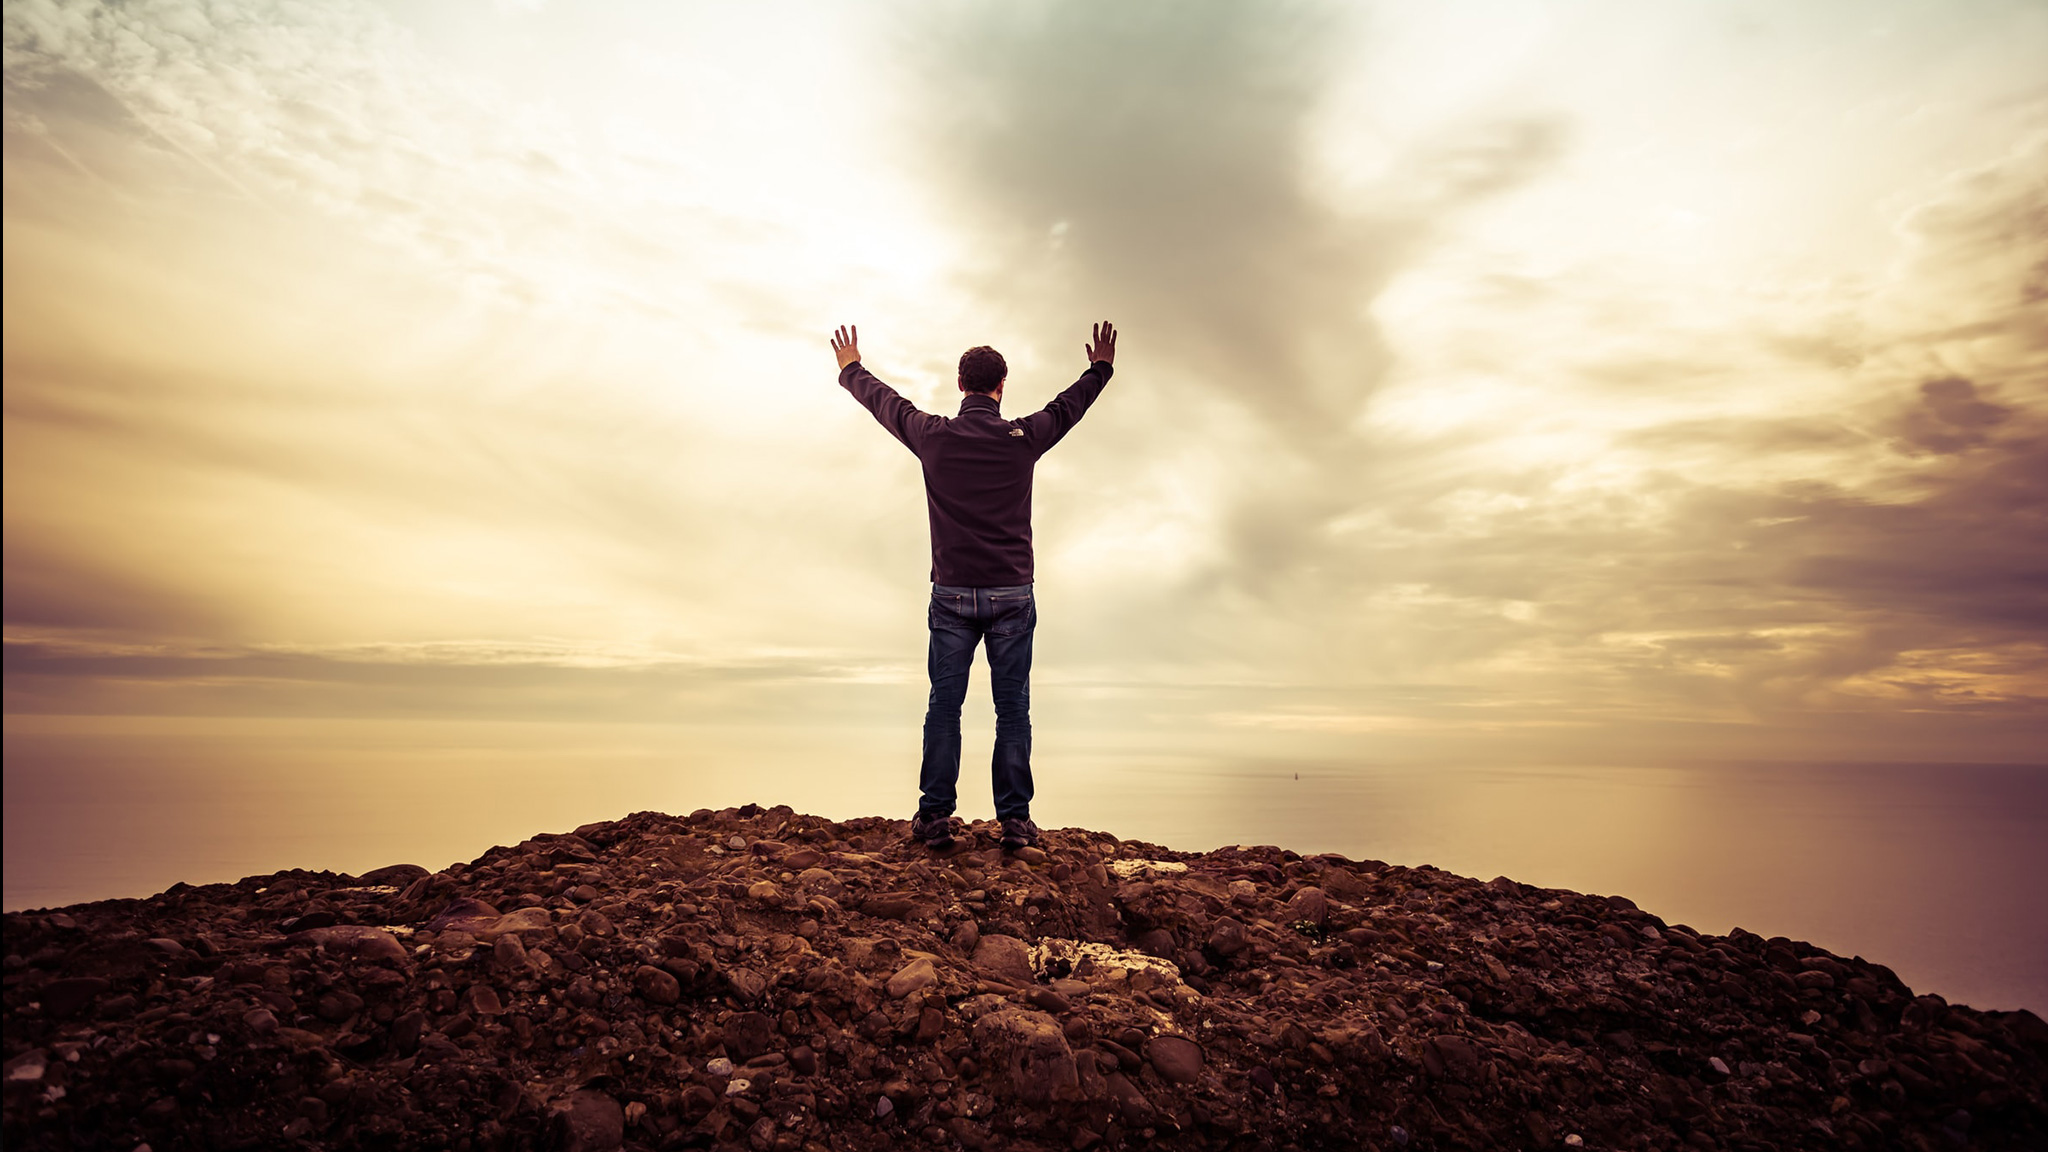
column 1029, row 1052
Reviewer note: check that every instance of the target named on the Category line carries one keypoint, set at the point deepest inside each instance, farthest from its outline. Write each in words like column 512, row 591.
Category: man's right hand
column 846, row 344
column 1104, row 348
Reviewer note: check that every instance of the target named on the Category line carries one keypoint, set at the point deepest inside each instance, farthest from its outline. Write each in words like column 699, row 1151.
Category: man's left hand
column 846, row 344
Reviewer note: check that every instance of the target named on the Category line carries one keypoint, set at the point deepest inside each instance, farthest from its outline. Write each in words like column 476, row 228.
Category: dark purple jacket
column 977, row 472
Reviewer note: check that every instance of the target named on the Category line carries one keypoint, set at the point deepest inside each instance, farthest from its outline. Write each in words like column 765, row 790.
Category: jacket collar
column 972, row 400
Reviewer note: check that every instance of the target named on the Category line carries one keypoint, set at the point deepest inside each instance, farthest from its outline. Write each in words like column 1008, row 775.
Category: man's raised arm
column 890, row 409
column 1046, row 426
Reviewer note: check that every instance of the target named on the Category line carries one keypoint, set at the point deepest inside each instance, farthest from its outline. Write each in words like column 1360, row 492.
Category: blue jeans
column 960, row 618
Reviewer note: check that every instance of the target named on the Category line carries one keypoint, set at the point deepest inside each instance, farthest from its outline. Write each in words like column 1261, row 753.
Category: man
column 977, row 484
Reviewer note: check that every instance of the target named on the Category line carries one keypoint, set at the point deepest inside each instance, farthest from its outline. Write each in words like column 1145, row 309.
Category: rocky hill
column 766, row 980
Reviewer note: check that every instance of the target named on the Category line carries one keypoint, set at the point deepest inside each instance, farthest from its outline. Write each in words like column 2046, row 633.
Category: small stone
column 737, row 1085
column 1399, row 1135
column 746, row 984
column 483, row 1001
column 509, row 952
column 718, row 1066
column 27, row 1067
column 1047, row 1000
column 359, row 941
column 261, row 1021
column 966, row 936
column 582, row 893
column 749, row 1034
column 1004, row 957
column 883, row 1106
column 1032, row 1051
column 463, row 915
column 593, row 1122
column 656, row 985
column 1175, row 1058
column 804, row 1060
column 1308, row 905
column 1719, row 1067
column 1460, row 1056
column 1574, row 1140
column 912, row 977
column 1226, row 938
column 64, row 997
column 818, row 881
column 764, row 892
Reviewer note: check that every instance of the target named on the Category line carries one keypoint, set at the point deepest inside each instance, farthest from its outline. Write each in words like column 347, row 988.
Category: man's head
column 982, row 370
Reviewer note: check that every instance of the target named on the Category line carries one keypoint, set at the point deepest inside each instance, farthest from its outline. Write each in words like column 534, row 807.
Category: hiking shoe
column 1019, row 834
column 933, row 830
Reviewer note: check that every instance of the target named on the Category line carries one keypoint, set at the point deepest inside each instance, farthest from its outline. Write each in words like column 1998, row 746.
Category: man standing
column 977, row 484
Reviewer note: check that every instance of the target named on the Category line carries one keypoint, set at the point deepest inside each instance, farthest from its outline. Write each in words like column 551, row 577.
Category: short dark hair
column 982, row 369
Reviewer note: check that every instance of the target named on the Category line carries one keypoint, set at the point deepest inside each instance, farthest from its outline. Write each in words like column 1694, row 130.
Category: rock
column 261, row 1021
column 746, row 984
column 592, row 1122
column 393, row 875
column 1155, row 942
column 804, row 1060
column 67, row 996
column 765, row 892
column 1176, row 1058
column 1029, row 1051
column 966, row 936
column 28, row 1067
column 358, row 941
column 749, row 1034
column 656, row 985
column 1004, row 957
column 1308, row 905
column 464, row 914
column 1047, row 1000
column 915, row 976
column 517, row 920
column 1226, row 937
column 483, row 1001
column 1460, row 1056
column 888, row 907
column 509, row 952
column 818, row 881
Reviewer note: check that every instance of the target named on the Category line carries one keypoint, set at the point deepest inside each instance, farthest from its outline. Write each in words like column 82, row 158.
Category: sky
column 1600, row 382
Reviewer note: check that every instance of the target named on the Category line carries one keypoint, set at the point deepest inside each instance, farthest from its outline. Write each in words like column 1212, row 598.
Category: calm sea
column 1938, row 870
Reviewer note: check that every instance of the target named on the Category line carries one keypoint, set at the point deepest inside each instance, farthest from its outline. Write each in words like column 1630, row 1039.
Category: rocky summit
column 759, row 979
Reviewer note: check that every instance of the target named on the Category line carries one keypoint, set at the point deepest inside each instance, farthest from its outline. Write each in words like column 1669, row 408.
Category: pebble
column 593, row 1122
column 658, row 986
column 915, row 976
column 1175, row 1058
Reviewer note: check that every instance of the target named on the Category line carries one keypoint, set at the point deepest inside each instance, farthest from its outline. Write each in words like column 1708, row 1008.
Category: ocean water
column 1938, row 870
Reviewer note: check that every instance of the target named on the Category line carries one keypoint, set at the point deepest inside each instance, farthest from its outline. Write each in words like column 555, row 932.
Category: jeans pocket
column 954, row 604
column 1013, row 615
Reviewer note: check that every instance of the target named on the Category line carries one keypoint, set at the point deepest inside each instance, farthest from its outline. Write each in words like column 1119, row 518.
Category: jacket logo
column 1016, row 431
